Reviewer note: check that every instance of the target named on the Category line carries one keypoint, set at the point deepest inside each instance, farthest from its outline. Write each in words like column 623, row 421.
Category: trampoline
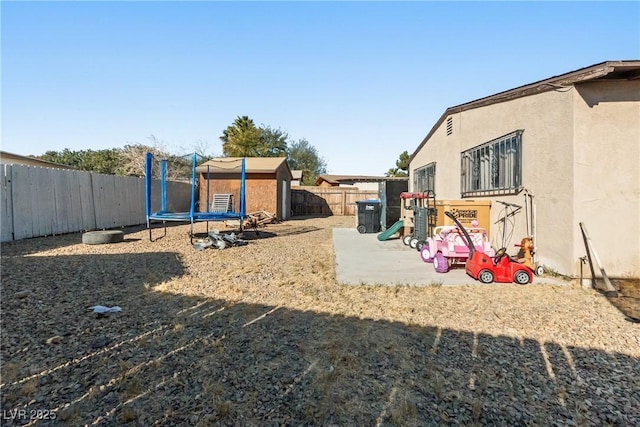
column 192, row 216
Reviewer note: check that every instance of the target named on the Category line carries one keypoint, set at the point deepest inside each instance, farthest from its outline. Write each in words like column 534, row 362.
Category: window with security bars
column 494, row 167
column 424, row 178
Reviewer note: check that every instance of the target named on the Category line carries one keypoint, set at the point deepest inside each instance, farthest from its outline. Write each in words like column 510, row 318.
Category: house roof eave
column 341, row 179
column 44, row 163
column 562, row 81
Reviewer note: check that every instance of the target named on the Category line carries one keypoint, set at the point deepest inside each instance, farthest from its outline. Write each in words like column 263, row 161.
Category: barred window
column 494, row 167
column 424, row 178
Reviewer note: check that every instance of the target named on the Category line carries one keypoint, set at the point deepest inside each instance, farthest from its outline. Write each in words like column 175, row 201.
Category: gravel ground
column 262, row 335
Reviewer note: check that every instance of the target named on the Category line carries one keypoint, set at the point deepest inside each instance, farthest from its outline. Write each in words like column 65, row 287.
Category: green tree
column 64, row 157
column 304, row 156
column 129, row 160
column 100, row 161
column 402, row 166
column 241, row 139
column 273, row 142
column 244, row 139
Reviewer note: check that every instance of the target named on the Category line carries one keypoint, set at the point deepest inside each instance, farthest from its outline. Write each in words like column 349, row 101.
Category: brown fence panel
column 351, row 197
column 328, row 200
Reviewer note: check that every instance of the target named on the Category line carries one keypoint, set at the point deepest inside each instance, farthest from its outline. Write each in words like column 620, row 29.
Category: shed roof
column 610, row 70
column 341, row 179
column 251, row 165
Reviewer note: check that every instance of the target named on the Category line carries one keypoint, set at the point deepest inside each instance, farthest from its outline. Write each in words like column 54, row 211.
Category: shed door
column 285, row 196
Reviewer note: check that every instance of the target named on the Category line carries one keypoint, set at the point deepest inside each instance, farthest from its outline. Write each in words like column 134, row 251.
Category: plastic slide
column 391, row 230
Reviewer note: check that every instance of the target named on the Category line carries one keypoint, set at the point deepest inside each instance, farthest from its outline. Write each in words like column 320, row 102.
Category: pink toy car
column 447, row 246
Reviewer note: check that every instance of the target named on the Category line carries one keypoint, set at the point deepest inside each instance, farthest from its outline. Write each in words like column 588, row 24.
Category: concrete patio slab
column 361, row 259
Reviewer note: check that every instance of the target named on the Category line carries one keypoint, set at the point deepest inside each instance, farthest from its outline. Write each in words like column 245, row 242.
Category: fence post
column 7, row 232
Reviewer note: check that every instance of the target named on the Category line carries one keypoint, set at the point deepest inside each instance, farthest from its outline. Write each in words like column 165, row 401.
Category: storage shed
column 267, row 184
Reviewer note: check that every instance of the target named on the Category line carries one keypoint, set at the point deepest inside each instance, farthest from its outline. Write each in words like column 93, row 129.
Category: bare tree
column 134, row 157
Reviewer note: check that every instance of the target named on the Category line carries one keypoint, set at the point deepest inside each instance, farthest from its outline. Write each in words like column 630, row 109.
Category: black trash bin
column 368, row 216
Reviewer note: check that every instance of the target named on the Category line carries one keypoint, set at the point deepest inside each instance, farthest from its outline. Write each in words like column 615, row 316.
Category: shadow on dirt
column 184, row 360
column 253, row 234
column 44, row 243
column 309, row 216
column 130, row 240
column 628, row 299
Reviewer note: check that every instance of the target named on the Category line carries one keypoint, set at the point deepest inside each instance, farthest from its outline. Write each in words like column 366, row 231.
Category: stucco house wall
column 546, row 141
column 580, row 161
column 607, row 172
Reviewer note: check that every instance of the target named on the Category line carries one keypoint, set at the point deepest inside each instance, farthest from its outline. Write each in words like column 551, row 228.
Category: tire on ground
column 413, row 242
column 440, row 263
column 425, row 254
column 486, row 276
column 102, row 237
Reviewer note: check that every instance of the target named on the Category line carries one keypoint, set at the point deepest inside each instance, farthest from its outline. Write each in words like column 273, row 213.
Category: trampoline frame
column 192, row 216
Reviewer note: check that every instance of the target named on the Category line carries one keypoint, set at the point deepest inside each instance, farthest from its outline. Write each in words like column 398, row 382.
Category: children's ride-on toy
column 499, row 268
column 447, row 246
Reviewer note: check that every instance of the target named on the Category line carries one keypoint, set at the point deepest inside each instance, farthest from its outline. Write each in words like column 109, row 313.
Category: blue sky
column 361, row 81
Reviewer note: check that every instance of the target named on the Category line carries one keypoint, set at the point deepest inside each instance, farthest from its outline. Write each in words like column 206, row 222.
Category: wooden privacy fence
column 328, row 200
column 38, row 201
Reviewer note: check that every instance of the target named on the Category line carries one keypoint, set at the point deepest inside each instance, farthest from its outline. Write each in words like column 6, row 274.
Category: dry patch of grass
column 262, row 334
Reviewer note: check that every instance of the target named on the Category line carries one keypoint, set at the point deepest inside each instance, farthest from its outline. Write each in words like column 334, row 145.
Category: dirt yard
column 262, row 335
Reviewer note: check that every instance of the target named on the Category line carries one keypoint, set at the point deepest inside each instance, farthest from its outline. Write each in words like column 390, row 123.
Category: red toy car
column 500, row 268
